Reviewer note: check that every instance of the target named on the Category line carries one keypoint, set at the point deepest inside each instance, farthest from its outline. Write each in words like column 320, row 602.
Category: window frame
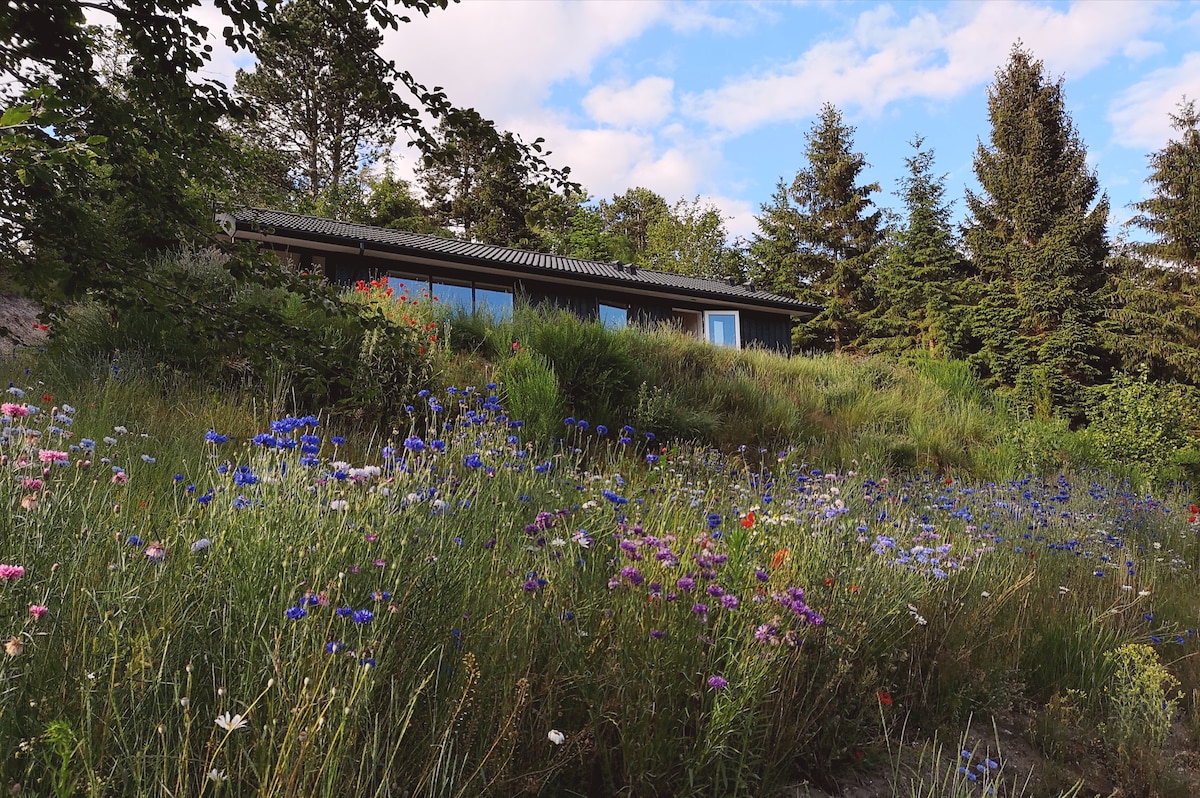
column 737, row 327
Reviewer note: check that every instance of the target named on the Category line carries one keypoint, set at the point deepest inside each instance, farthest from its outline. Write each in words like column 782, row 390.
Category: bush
column 1141, row 424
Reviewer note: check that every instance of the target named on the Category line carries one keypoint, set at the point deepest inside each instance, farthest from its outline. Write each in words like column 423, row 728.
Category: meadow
column 212, row 592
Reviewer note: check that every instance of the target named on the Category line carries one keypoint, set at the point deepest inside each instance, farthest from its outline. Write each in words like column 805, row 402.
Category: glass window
column 494, row 301
column 457, row 297
column 721, row 327
column 411, row 288
column 613, row 316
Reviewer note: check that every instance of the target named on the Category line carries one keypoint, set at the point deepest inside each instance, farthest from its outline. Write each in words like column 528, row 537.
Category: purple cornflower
column 718, row 682
column 685, row 583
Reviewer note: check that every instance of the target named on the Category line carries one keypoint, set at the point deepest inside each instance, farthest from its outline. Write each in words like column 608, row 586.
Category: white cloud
column 1140, row 114
column 644, row 104
column 935, row 57
column 502, row 58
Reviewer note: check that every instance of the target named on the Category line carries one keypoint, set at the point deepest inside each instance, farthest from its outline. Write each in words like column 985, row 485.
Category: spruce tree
column 918, row 283
column 1154, row 322
column 820, row 239
column 1037, row 236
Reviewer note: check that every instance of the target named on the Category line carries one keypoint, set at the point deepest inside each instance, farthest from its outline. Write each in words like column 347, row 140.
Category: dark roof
column 331, row 231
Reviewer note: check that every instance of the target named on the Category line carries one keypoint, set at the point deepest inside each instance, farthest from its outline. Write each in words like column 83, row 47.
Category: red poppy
column 853, row 588
column 885, row 698
column 748, row 521
column 47, row 397
column 777, row 558
column 829, row 581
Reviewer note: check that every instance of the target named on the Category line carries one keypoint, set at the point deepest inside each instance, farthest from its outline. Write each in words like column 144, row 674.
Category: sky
column 713, row 99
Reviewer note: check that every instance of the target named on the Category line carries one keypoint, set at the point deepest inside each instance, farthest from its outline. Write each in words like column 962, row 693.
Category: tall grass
column 460, row 605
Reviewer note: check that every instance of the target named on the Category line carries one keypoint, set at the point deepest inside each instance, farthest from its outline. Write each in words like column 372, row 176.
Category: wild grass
column 238, row 599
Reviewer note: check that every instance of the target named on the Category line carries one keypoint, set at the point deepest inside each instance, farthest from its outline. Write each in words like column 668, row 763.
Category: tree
column 98, row 174
column 1172, row 214
column 691, row 239
column 628, row 218
column 1037, row 237
column 480, row 186
column 1154, row 319
column 321, row 96
column 819, row 239
column 918, row 280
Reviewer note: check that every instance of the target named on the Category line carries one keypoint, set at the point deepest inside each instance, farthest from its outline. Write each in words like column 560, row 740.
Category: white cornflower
column 556, row 737
column 217, row 776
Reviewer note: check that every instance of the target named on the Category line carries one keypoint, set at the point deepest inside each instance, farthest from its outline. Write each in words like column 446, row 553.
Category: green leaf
column 17, row 115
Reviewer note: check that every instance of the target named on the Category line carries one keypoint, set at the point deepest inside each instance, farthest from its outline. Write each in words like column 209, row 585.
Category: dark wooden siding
column 767, row 330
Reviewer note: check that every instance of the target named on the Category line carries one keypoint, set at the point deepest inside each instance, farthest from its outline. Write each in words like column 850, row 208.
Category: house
column 477, row 276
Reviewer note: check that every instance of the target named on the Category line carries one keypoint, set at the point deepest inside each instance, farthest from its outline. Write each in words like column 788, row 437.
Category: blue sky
column 712, row 99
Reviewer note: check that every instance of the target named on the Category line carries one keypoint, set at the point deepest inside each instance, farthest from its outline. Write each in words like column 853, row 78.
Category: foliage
column 321, row 96
column 1038, row 244
column 918, row 282
column 819, row 241
column 1154, row 316
column 1172, row 213
column 628, row 218
column 481, row 185
column 1140, row 711
column 690, row 238
column 1140, row 424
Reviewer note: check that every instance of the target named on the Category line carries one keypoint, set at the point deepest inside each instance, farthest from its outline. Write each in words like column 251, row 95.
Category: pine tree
column 1037, row 237
column 1154, row 322
column 820, row 240
column 323, row 97
column 918, row 283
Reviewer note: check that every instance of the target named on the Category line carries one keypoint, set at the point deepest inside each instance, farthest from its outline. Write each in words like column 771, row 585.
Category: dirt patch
column 19, row 324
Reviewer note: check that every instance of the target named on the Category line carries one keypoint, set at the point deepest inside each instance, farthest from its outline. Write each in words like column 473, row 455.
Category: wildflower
column 718, row 682
column 53, row 456
column 657, row 634
column 14, row 647
column 748, row 521
column 296, row 613
column 777, row 558
column 885, row 698
column 339, row 505
column 556, row 737
column 201, row 544
column 362, row 616
column 231, row 723
column 9, row 573
column 217, row 776
column 38, row 610
column 155, row 551
column 333, row 647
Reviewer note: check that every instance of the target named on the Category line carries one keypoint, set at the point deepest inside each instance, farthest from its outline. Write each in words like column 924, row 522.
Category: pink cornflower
column 29, row 483
column 38, row 610
column 119, row 478
column 53, row 456
column 16, row 411
column 11, row 572
column 155, row 551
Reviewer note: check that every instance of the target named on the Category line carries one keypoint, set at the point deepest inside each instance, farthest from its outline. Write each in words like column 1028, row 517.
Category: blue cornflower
column 333, row 647
column 178, row 477
column 343, row 612
column 601, row 430
column 296, row 613
column 337, row 440
column 134, row 540
column 473, row 461
column 363, row 616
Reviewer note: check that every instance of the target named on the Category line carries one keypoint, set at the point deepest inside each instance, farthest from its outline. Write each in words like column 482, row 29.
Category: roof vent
column 731, row 281
column 620, row 266
column 632, row 269
column 749, row 284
